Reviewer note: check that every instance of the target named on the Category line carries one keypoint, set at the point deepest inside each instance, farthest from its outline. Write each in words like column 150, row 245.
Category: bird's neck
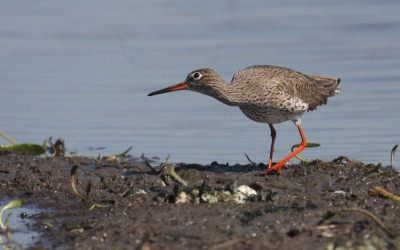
column 227, row 93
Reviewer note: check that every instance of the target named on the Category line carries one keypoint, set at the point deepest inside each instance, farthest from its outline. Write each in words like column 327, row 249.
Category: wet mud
column 316, row 205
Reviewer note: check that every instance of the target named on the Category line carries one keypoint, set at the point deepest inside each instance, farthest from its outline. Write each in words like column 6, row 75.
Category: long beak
column 176, row 87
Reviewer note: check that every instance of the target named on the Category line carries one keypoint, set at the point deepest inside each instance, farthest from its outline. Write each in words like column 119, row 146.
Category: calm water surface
column 82, row 71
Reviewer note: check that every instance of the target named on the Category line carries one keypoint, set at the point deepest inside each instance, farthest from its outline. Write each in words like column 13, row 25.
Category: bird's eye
column 197, row 75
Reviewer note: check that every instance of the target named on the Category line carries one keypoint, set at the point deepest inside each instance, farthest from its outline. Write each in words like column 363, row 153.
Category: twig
column 373, row 217
column 73, row 181
column 375, row 169
column 176, row 177
column 164, row 164
column 246, row 174
column 323, row 227
column 152, row 169
column 383, row 192
column 145, row 245
column 164, row 175
column 248, row 158
column 224, row 245
column 392, row 156
column 98, row 160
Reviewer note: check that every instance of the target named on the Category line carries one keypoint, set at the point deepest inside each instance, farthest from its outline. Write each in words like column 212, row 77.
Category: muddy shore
column 317, row 205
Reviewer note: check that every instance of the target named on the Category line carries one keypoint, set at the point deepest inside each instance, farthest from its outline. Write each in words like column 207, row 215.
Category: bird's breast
column 270, row 114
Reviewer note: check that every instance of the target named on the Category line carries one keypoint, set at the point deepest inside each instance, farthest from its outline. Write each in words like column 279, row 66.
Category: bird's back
column 279, row 83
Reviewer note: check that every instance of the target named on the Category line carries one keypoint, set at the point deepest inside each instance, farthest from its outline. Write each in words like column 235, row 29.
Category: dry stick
column 373, row 217
column 296, row 197
column 375, row 169
column 323, row 227
column 145, row 245
column 243, row 175
column 176, row 177
column 252, row 163
column 152, row 169
column 383, row 192
column 73, row 181
column 248, row 158
column 163, row 165
column 171, row 173
column 98, row 160
column 52, row 145
column 392, row 156
column 224, row 245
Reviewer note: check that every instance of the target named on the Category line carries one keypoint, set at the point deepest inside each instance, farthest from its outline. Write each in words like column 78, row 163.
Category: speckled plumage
column 267, row 94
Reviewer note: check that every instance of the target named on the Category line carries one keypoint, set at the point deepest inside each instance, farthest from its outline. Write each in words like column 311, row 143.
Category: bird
column 266, row 94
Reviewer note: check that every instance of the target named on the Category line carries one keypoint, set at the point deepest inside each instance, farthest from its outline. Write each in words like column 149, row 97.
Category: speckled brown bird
column 266, row 94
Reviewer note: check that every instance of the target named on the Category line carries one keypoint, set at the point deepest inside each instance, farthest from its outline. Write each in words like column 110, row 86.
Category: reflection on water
column 21, row 235
column 82, row 71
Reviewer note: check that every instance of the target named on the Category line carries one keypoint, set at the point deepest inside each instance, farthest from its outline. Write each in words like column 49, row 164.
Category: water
column 82, row 71
column 21, row 235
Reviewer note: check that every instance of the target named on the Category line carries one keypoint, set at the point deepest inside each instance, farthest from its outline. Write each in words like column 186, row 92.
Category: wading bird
column 266, row 94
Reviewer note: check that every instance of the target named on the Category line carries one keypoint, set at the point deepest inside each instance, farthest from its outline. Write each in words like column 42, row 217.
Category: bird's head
column 201, row 80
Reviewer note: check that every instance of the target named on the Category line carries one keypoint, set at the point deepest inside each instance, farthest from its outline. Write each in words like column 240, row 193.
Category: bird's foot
column 276, row 169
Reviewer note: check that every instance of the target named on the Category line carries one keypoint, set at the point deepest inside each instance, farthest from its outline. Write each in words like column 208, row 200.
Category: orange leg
column 280, row 164
column 273, row 135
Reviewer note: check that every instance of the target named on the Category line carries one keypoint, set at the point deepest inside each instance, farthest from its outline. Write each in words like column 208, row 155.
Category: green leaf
column 26, row 148
column 96, row 205
column 10, row 205
column 7, row 219
column 14, row 204
column 329, row 214
column 88, row 189
column 8, row 138
column 111, row 201
column 375, row 169
column 123, row 153
column 43, row 223
column 44, row 143
column 309, row 145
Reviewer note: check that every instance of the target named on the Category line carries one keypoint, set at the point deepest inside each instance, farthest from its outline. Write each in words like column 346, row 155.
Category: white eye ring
column 197, row 75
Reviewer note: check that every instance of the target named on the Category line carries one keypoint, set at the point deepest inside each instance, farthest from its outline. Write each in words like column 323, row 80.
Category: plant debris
column 205, row 194
column 303, row 206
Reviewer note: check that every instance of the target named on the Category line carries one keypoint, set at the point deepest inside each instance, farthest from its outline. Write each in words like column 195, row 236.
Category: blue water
column 82, row 71
column 22, row 235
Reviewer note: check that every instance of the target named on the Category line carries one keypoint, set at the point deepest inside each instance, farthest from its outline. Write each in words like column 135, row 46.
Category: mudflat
column 316, row 205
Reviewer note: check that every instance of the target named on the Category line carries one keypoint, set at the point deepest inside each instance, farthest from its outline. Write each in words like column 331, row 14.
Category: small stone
column 195, row 193
column 140, row 191
column 232, row 187
column 240, row 198
column 208, row 198
column 181, row 198
column 246, row 190
column 225, row 196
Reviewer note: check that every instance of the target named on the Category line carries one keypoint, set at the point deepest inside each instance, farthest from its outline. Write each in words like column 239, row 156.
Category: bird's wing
column 286, row 81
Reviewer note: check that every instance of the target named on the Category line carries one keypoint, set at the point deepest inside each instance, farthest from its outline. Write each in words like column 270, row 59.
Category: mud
column 309, row 206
